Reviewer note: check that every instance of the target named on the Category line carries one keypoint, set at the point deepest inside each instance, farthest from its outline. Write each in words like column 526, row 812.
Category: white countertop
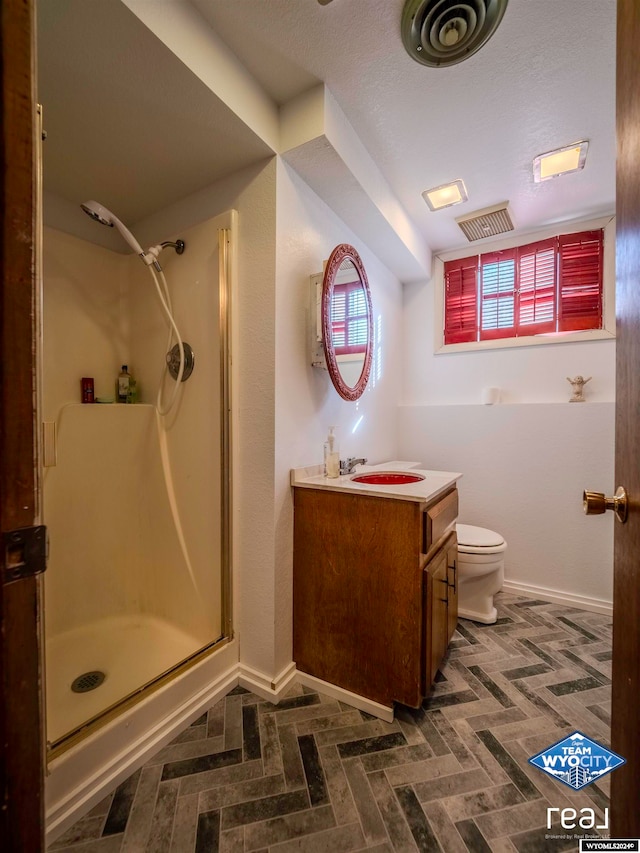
column 434, row 483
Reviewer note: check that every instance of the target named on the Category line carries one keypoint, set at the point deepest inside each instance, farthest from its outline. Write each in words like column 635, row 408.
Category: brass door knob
column 595, row 503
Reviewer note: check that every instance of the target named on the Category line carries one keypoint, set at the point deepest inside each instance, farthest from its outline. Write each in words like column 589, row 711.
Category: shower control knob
column 595, row 503
column 173, row 361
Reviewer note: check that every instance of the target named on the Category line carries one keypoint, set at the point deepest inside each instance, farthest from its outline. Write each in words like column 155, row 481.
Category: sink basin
column 387, row 478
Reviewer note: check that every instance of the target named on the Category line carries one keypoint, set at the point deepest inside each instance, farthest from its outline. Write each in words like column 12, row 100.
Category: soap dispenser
column 331, row 455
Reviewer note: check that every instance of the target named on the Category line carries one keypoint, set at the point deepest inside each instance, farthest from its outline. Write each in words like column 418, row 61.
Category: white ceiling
column 544, row 80
column 130, row 125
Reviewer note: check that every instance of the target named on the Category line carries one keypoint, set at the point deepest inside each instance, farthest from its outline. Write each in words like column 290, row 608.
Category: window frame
column 483, row 247
column 348, row 349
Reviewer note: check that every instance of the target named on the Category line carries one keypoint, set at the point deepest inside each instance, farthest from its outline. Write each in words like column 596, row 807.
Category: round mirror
column 347, row 322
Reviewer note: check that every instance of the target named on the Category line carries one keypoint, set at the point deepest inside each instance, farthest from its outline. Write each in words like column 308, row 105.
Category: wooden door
column 625, row 732
column 21, row 742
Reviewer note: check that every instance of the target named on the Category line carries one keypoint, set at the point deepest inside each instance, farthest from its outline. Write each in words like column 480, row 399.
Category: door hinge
column 24, row 553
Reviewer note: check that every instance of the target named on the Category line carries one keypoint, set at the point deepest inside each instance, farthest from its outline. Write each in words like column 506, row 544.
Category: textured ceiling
column 545, row 79
column 128, row 123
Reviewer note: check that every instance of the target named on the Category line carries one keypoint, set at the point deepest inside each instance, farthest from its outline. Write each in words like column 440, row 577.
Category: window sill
column 535, row 340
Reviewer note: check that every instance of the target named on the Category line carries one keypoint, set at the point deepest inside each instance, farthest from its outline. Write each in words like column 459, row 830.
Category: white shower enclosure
column 136, row 504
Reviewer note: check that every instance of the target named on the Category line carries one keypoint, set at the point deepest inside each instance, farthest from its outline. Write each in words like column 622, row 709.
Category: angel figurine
column 577, row 383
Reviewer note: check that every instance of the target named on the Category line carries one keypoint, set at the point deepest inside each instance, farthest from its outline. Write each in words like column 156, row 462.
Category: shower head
column 104, row 216
column 98, row 212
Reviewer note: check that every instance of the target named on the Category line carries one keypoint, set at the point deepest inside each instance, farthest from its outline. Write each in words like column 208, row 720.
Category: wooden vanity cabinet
column 374, row 591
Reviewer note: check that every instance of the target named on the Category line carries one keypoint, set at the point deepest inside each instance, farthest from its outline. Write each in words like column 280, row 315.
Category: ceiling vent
column 486, row 223
column 444, row 32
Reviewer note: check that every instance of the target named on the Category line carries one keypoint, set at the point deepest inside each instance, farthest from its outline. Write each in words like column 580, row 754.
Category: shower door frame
column 227, row 265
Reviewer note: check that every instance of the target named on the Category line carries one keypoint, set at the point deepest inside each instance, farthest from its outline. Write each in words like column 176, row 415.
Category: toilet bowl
column 480, row 572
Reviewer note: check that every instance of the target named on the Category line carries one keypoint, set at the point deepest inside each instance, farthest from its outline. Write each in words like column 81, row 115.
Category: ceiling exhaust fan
column 444, row 32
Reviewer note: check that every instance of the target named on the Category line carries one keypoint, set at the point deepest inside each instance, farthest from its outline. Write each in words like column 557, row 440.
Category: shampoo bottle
column 122, row 385
column 332, row 456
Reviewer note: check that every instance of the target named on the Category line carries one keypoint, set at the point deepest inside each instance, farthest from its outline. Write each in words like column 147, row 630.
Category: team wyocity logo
column 577, row 761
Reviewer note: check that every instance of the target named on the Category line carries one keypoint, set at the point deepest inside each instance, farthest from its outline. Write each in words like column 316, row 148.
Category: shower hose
column 163, row 409
column 165, row 302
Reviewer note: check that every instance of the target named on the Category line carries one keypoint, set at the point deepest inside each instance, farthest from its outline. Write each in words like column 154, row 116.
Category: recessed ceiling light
column 560, row 162
column 445, row 195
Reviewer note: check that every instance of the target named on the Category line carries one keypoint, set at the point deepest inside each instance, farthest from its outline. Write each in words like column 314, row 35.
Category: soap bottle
column 122, row 385
column 332, row 456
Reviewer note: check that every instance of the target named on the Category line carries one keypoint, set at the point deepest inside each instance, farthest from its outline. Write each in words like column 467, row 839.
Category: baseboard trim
column 265, row 687
column 359, row 702
column 583, row 602
column 284, row 678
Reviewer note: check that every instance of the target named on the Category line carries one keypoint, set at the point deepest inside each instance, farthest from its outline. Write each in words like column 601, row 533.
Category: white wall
column 525, row 461
column 306, row 402
column 524, row 469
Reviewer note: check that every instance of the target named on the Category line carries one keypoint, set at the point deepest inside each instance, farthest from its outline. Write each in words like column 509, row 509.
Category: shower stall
column 136, row 495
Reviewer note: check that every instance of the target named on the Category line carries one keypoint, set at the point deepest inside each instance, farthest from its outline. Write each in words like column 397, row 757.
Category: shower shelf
column 109, row 405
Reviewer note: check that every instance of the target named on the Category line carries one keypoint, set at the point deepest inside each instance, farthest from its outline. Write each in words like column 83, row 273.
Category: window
column 349, row 318
column 550, row 286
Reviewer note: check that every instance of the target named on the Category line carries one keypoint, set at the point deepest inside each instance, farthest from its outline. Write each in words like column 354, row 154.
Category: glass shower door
column 136, row 504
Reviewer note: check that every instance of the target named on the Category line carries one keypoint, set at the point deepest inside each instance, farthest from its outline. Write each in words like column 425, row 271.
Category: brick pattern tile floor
column 314, row 775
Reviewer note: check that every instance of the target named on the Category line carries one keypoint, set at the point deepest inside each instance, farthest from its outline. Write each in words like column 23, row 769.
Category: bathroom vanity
column 375, row 586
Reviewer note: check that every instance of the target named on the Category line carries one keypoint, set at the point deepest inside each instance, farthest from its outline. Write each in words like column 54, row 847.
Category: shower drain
column 88, row 681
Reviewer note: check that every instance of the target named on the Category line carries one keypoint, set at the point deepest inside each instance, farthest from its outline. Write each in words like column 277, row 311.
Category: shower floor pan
column 130, row 650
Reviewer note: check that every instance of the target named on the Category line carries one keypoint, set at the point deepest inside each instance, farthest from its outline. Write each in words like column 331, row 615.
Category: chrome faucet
column 347, row 466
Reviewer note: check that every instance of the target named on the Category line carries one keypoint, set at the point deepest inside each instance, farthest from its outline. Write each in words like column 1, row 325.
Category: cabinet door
column 452, row 589
column 439, row 613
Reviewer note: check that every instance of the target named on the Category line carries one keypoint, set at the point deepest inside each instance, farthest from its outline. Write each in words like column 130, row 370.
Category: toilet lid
column 477, row 537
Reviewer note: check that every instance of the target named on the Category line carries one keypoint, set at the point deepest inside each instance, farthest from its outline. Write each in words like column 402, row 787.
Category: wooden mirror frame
column 341, row 253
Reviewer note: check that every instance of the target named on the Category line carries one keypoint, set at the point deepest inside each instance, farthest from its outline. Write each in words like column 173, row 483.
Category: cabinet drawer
column 438, row 519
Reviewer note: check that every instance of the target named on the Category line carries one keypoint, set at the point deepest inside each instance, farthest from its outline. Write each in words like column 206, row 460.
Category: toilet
column 480, row 572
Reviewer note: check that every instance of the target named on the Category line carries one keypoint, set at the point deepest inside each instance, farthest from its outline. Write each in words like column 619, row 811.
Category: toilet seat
column 479, row 540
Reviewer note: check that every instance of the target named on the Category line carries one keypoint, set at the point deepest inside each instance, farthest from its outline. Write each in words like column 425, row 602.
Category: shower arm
column 153, row 252
column 178, row 245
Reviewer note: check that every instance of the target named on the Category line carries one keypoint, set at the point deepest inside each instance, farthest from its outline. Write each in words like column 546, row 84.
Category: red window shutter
column 580, row 274
column 461, row 301
column 497, row 294
column 349, row 318
column 536, row 301
column 338, row 318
